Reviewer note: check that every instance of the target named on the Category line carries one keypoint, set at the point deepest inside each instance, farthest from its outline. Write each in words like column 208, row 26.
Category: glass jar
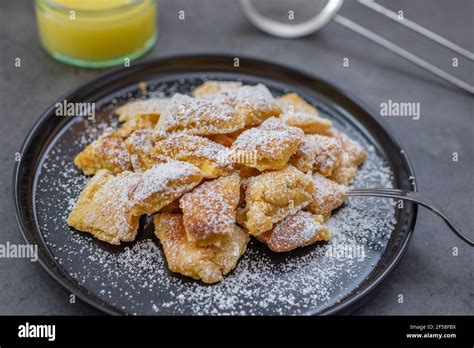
column 96, row 33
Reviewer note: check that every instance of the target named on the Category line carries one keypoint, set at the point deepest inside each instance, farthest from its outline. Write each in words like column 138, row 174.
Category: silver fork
column 413, row 197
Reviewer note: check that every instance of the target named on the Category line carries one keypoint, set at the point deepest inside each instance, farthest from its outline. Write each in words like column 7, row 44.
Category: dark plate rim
column 348, row 305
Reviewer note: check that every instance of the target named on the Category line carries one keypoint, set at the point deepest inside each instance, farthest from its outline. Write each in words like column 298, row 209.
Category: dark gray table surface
column 431, row 279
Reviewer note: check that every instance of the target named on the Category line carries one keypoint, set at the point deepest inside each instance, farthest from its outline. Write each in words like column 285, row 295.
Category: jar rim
column 63, row 8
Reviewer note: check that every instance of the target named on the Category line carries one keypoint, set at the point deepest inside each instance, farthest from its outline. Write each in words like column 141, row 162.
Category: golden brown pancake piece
column 140, row 147
column 295, row 231
column 197, row 117
column 292, row 102
column 103, row 210
column 270, row 145
column 328, row 195
column 137, row 108
column 209, row 210
column 272, row 196
column 308, row 123
column 229, row 162
column 211, row 157
column 136, row 123
column 162, row 184
column 254, row 103
column 108, row 151
column 109, row 206
column 350, row 158
column 214, row 87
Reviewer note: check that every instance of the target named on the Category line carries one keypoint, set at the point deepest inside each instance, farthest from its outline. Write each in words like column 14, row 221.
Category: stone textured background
column 432, row 280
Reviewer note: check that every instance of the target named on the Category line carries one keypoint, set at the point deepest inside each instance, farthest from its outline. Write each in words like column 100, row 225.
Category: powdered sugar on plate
column 134, row 277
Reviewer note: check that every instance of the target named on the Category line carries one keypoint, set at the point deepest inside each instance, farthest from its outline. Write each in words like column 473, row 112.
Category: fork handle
column 413, row 197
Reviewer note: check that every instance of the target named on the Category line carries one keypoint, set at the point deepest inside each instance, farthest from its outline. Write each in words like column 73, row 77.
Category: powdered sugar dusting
column 134, row 277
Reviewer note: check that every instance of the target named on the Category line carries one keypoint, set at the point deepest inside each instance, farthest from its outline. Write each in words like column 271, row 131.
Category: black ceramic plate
column 370, row 234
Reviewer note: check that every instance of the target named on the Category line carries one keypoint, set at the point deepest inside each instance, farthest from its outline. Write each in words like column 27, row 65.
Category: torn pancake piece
column 351, row 157
column 214, row 87
column 295, row 231
column 206, row 263
column 212, row 158
column 272, row 196
column 140, row 147
column 277, row 124
column 209, row 210
column 299, row 113
column 254, row 103
column 103, row 208
column 328, row 195
column 109, row 206
column 328, row 154
column 269, row 146
column 317, row 152
column 292, row 102
column 137, row 108
column 161, row 185
column 108, row 151
column 197, row 117
column 308, row 123
column 136, row 123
